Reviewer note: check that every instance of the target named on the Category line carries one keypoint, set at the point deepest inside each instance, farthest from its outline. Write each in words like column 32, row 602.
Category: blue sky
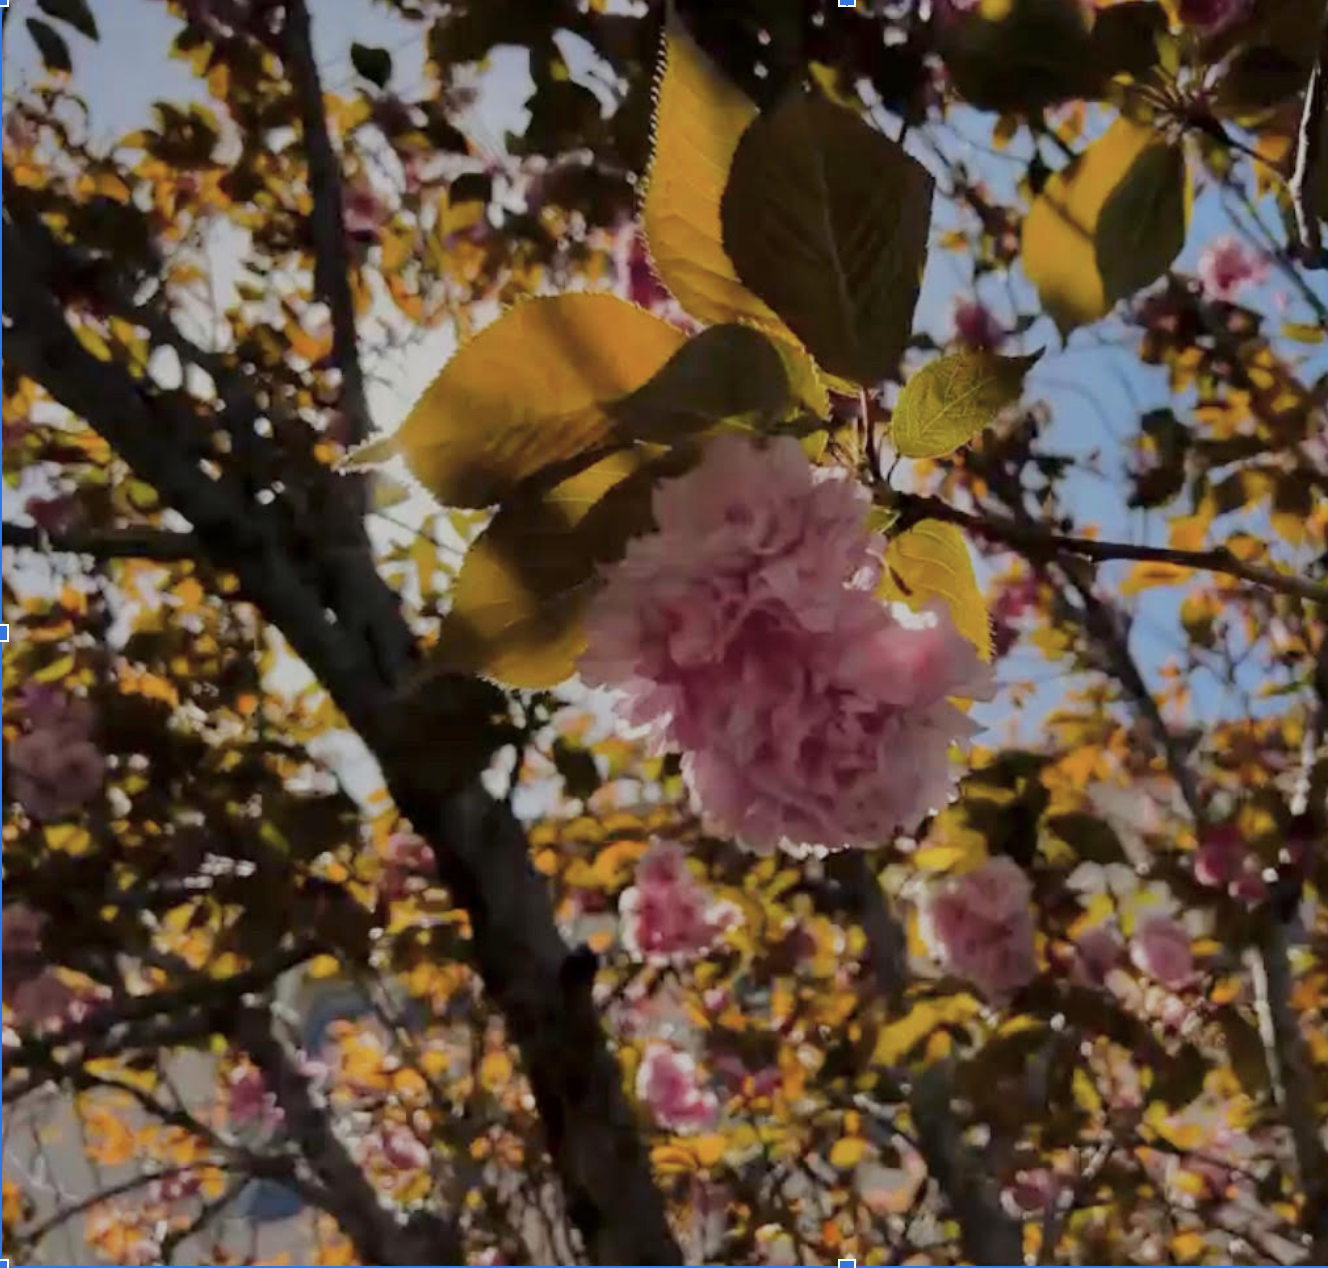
column 1096, row 386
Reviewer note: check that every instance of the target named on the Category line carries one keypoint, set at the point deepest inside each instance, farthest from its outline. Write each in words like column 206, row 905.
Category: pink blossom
column 668, row 914
column 636, row 274
column 248, row 1100
column 745, row 633
column 409, row 863
column 1224, row 861
column 1097, row 952
column 402, row 1149
column 668, row 1084
column 1227, row 266
column 362, row 213
column 1212, row 16
column 1032, row 1192
column 974, row 325
column 54, row 514
column 1161, row 949
column 980, row 926
column 55, row 766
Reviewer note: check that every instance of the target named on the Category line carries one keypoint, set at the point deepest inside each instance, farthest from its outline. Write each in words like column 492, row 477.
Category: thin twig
column 1041, row 544
column 1305, row 176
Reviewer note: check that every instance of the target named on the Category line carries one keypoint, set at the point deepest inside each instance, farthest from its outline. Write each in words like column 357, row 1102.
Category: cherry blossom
column 402, row 1149
column 974, row 325
column 980, row 926
column 248, row 1100
column 1161, row 949
column 745, row 632
column 1227, row 266
column 55, row 765
column 363, row 213
column 668, row 1084
column 668, row 914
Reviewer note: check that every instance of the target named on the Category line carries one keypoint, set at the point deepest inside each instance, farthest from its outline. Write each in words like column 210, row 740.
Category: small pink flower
column 362, row 213
column 1212, row 16
column 402, row 1149
column 1161, row 949
column 1220, row 857
column 55, row 766
column 974, row 325
column 1227, row 266
column 636, row 275
column 745, row 633
column 248, row 1100
column 668, row 914
column 1097, row 952
column 54, row 514
column 409, row 864
column 668, row 1084
column 1032, row 1192
column 980, row 926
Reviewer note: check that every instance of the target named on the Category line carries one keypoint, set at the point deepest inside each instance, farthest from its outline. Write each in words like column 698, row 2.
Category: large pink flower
column 1227, row 266
column 668, row 914
column 1161, row 948
column 55, row 766
column 745, row 633
column 980, row 926
column 668, row 1084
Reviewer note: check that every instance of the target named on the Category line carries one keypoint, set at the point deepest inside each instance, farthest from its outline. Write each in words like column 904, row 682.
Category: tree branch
column 305, row 561
column 156, row 544
column 1303, row 185
column 326, row 221
column 379, row 1238
column 1038, row 543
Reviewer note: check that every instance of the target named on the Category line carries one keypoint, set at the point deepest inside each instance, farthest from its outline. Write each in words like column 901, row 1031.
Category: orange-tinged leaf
column 495, row 1070
column 525, row 393
column 847, row 1152
column 1151, row 574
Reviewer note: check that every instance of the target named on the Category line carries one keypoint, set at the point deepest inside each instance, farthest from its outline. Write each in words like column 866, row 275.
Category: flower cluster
column 1227, row 266
column 668, row 1084
column 668, row 914
column 55, row 765
column 980, row 926
column 746, row 633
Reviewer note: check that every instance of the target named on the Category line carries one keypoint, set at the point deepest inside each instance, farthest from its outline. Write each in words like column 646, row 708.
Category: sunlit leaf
column 1148, row 575
column 518, row 600
column 951, row 399
column 699, row 118
column 1109, row 224
column 527, row 392
column 931, row 561
column 727, row 371
column 827, row 220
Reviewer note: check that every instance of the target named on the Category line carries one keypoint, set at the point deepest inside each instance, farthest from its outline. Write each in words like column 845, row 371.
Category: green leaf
column 728, row 371
column 51, row 45
column 74, row 12
column 826, row 220
column 946, row 403
column 1126, row 39
column 1110, row 223
column 1037, row 53
column 518, row 600
column 1142, row 226
column 374, row 64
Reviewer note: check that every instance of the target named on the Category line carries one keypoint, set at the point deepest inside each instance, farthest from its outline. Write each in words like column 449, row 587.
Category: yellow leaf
column 525, row 393
column 898, row 1038
column 1149, row 575
column 931, row 560
column 946, row 403
column 55, row 671
column 1188, row 1245
column 708, row 1149
column 699, row 118
column 517, row 602
column 495, row 1070
column 1109, row 224
column 324, row 966
column 847, row 1152
column 673, row 1159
